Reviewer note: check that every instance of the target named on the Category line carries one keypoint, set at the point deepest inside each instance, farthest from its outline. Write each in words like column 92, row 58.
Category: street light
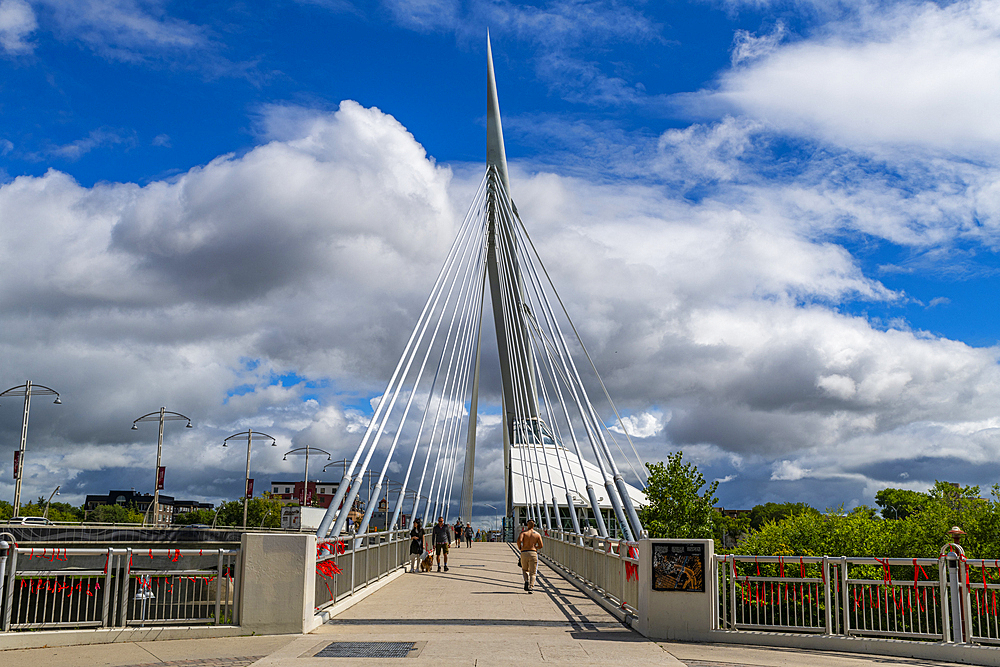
column 250, row 435
column 163, row 415
column 299, row 451
column 27, row 390
column 495, row 513
column 45, row 514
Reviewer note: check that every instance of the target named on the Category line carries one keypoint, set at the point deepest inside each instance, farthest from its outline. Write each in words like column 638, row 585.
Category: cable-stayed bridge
column 561, row 461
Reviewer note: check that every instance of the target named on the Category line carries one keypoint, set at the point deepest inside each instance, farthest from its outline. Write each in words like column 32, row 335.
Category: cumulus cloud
column 906, row 74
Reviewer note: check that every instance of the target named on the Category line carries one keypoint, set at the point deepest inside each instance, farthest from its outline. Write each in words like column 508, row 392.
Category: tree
column 266, row 509
column 900, row 503
column 775, row 512
column 677, row 506
column 116, row 514
column 200, row 516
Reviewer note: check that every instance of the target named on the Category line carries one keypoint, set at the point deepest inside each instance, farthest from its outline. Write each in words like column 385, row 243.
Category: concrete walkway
column 476, row 614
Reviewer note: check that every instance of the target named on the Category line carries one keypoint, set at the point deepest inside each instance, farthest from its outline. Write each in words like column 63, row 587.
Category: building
column 320, row 493
column 168, row 506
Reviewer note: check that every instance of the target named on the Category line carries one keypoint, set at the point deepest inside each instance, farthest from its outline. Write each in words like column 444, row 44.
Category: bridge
column 608, row 592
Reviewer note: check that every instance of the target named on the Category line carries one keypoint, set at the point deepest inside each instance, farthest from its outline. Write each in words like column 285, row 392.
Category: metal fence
column 346, row 565
column 59, row 588
column 947, row 599
column 609, row 566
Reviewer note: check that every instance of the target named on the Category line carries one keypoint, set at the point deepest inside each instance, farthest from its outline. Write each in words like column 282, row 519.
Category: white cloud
column 643, row 425
column 906, row 74
column 17, row 23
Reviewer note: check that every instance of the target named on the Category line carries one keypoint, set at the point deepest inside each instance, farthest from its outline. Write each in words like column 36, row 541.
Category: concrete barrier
column 278, row 582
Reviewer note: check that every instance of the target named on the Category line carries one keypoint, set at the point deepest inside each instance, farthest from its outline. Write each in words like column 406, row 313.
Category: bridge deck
column 478, row 613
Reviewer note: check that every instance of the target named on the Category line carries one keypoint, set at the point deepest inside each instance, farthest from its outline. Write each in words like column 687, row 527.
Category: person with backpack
column 469, row 534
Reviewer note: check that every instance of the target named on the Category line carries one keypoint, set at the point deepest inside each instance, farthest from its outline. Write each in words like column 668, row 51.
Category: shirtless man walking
column 529, row 543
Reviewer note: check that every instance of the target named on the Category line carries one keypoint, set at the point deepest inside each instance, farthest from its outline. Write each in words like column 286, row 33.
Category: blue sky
column 794, row 208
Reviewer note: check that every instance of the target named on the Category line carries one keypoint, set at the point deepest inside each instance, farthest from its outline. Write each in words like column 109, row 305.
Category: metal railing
column 60, row 588
column 349, row 564
column 609, row 566
column 945, row 599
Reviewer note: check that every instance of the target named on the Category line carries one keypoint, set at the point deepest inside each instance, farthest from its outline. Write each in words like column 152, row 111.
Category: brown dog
column 425, row 564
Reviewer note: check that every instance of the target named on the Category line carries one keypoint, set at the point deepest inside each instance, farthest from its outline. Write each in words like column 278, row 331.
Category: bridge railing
column 609, row 566
column 351, row 563
column 65, row 588
column 947, row 599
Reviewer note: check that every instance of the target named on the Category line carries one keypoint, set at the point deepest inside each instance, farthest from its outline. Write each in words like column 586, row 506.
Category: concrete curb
column 327, row 614
column 47, row 638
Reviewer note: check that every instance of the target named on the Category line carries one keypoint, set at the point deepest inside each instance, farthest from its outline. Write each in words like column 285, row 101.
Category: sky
column 775, row 224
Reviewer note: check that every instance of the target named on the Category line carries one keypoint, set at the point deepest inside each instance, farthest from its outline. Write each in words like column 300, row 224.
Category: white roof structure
column 548, row 456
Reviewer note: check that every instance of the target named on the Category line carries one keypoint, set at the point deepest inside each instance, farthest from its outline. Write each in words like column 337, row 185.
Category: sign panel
column 160, row 474
column 17, row 464
column 679, row 567
column 250, row 488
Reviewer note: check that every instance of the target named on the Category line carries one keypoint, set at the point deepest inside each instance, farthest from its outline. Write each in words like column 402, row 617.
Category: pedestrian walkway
column 476, row 614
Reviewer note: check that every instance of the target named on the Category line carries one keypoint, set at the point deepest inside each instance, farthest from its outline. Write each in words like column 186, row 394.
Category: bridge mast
column 512, row 333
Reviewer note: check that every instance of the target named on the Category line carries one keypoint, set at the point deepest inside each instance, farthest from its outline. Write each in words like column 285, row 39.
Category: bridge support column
column 279, row 578
column 680, row 613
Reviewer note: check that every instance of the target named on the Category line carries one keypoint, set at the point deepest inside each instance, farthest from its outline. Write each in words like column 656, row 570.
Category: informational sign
column 250, row 488
column 160, row 474
column 508, row 529
column 17, row 464
column 679, row 567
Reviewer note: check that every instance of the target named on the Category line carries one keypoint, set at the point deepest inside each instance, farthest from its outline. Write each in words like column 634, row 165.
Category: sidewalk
column 476, row 614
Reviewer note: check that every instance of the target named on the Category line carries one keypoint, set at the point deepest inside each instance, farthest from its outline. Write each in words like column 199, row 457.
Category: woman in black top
column 416, row 545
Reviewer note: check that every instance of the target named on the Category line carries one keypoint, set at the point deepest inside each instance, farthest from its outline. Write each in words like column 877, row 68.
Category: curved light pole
column 495, row 513
column 163, row 415
column 299, row 451
column 27, row 390
column 250, row 435
column 45, row 514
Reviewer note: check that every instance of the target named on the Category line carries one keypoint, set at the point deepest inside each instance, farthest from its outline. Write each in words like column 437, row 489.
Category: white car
column 29, row 521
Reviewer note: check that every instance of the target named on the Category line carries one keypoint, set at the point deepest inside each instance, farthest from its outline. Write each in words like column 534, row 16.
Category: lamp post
column 45, row 514
column 299, row 451
column 250, row 435
column 163, row 415
column 495, row 512
column 27, row 390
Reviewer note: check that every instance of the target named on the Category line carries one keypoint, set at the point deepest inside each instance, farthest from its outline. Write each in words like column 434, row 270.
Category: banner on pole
column 160, row 472
column 250, row 487
column 17, row 464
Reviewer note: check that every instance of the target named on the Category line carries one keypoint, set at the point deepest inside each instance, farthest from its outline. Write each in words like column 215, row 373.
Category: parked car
column 29, row 521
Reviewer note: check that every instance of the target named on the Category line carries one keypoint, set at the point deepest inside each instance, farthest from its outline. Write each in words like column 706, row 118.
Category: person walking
column 458, row 533
column 442, row 540
column 529, row 543
column 469, row 534
column 416, row 545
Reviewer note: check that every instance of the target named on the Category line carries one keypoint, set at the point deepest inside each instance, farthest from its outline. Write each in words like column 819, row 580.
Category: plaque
column 679, row 567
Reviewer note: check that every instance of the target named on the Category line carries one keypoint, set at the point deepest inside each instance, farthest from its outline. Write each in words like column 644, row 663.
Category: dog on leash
column 425, row 564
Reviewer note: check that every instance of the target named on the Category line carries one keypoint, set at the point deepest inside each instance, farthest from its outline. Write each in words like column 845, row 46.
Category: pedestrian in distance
column 442, row 540
column 458, row 533
column 416, row 544
column 469, row 534
column 529, row 543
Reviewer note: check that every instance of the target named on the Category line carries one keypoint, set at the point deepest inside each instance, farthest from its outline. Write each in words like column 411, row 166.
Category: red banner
column 160, row 472
column 250, row 488
column 309, row 497
column 17, row 463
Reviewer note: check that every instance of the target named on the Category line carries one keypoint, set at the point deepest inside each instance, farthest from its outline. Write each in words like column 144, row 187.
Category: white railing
column 947, row 599
column 62, row 588
column 350, row 563
column 609, row 566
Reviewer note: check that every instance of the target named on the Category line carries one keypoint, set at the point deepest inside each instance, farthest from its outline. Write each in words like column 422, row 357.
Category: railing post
column 946, row 635
column 354, row 551
column 9, row 605
column 732, row 594
column 827, row 598
column 218, row 591
column 966, row 599
column 845, row 596
column 108, row 591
